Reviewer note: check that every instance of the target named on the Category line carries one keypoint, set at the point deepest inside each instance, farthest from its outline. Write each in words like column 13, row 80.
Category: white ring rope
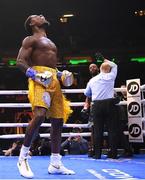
column 18, row 92
column 44, row 135
column 76, row 104
column 28, row 105
column 48, row 125
column 143, row 101
column 43, row 125
column 73, row 104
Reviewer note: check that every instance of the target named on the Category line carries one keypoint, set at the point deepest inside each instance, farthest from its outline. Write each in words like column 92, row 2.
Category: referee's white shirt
column 102, row 85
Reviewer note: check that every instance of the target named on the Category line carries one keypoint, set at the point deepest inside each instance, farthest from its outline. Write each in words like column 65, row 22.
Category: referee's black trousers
column 104, row 111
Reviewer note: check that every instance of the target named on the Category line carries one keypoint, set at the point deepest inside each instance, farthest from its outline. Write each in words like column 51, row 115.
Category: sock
column 55, row 158
column 23, row 152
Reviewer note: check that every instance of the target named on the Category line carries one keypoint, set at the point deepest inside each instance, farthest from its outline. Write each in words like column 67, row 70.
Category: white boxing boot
column 23, row 164
column 24, row 168
column 56, row 166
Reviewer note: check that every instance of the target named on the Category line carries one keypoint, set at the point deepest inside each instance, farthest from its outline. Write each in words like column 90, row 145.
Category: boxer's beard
column 94, row 73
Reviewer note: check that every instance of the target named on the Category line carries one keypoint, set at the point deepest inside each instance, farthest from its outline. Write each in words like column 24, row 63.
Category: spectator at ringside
column 14, row 149
column 24, row 117
column 76, row 144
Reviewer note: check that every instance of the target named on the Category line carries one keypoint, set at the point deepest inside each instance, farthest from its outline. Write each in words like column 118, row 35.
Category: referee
column 101, row 91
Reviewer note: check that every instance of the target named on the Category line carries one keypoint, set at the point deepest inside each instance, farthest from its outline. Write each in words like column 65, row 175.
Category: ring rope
column 20, row 105
column 67, row 91
column 73, row 104
column 44, row 135
column 49, row 125
column 18, row 92
column 43, row 125
column 28, row 105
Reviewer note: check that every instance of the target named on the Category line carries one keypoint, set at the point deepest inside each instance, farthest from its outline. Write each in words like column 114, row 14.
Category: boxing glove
column 67, row 78
column 31, row 73
column 59, row 74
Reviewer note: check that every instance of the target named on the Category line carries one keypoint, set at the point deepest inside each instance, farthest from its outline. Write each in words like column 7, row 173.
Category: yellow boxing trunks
column 59, row 105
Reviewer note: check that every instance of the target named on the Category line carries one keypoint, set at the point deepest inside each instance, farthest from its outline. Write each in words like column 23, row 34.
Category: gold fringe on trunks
column 67, row 109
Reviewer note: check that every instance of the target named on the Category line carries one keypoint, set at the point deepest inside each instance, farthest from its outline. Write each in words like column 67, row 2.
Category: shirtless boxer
column 37, row 58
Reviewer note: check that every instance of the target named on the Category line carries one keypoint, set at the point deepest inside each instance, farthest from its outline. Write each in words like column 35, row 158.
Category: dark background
column 97, row 23
column 106, row 26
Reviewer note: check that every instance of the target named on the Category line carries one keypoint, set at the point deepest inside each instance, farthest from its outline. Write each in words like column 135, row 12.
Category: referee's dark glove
column 85, row 113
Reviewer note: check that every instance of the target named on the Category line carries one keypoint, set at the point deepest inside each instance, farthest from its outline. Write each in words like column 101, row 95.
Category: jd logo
column 134, row 130
column 133, row 88
column 133, row 108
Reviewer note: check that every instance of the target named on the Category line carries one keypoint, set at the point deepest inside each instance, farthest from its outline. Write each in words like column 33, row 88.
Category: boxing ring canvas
column 85, row 168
